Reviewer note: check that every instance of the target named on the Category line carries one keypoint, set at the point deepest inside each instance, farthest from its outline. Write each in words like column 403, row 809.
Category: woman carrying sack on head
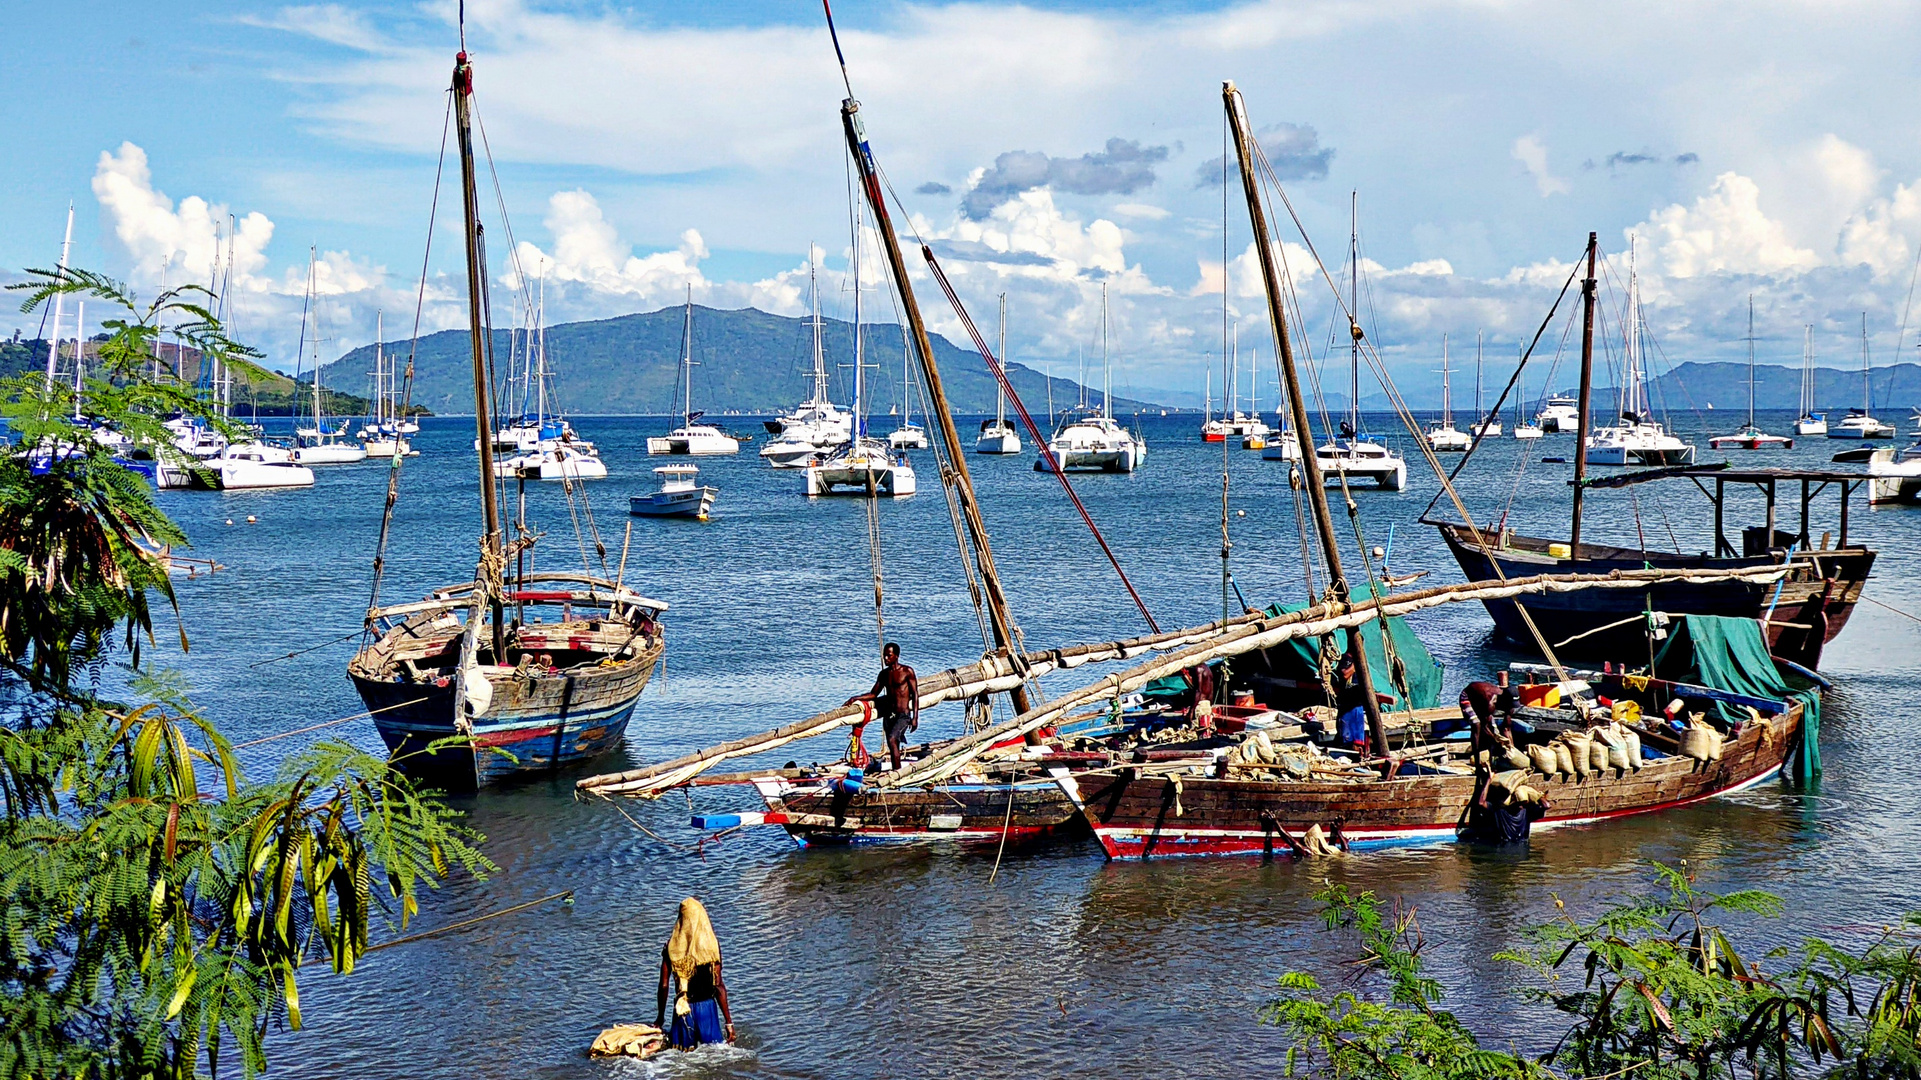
column 692, row 957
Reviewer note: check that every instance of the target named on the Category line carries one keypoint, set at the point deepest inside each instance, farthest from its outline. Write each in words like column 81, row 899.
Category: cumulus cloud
column 1531, row 152
column 163, row 240
column 587, row 249
column 1294, row 150
column 1724, row 230
column 1122, row 168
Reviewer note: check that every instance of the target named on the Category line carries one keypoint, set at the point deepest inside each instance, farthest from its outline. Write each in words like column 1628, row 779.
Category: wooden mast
column 1001, row 621
column 1310, row 466
column 1587, row 393
column 491, row 546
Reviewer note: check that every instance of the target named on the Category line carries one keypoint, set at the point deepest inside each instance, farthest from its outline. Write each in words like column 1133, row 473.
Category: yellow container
column 1540, row 696
column 1559, row 551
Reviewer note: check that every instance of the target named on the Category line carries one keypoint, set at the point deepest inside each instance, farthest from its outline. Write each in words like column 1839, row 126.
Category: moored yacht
column 692, row 437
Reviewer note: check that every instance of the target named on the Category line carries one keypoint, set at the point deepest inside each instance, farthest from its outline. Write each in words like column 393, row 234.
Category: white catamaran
column 997, row 435
column 692, row 437
column 1090, row 438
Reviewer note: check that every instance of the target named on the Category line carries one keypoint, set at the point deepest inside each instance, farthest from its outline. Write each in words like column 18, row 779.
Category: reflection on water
column 904, row 960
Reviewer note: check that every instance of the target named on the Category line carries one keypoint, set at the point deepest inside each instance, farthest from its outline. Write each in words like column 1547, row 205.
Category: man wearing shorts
column 896, row 698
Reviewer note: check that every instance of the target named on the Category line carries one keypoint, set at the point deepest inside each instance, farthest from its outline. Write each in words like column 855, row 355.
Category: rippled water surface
column 909, row 960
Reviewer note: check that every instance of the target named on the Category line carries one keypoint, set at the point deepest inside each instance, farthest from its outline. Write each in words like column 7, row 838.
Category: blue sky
column 1763, row 147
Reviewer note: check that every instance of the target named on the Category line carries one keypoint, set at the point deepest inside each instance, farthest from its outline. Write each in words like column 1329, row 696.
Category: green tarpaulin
column 1730, row 654
column 1416, row 679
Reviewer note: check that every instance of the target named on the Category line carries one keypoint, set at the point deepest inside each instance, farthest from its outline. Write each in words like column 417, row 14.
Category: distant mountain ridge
column 746, row 361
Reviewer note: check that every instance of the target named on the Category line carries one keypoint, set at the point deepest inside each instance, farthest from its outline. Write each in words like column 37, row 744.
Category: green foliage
column 155, row 906
column 1663, row 995
column 1348, row 1034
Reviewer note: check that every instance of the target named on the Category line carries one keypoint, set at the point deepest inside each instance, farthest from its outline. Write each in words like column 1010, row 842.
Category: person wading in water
column 896, row 698
column 692, row 957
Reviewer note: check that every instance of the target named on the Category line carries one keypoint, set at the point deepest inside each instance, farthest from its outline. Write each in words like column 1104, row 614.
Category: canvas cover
column 1416, row 679
column 1730, row 654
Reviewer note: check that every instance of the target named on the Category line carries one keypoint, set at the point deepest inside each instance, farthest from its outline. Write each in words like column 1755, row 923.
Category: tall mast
column 381, row 404
column 859, row 424
column 79, row 354
column 1290, row 375
column 1867, row 388
column 1447, row 399
column 313, row 301
column 1586, row 397
column 1480, row 419
column 1354, row 312
column 1000, row 395
column 687, row 358
column 1750, row 359
column 820, row 362
column 492, row 547
column 1001, row 620
column 1807, row 370
column 60, row 301
column 1107, row 377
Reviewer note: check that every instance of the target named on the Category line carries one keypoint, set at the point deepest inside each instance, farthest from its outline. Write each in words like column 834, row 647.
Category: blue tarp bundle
column 1730, row 654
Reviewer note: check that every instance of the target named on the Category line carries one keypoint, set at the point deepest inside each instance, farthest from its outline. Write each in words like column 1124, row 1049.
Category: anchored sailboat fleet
column 863, row 464
column 1636, row 437
column 817, row 424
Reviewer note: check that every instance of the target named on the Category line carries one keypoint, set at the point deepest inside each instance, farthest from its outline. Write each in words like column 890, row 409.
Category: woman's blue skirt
column 702, row 1024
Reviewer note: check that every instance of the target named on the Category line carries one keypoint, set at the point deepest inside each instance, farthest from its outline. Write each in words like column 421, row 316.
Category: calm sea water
column 915, row 960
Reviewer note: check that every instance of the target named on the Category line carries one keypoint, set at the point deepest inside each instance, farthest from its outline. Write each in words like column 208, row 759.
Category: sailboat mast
column 858, row 427
column 491, row 541
column 1107, row 370
column 314, row 300
column 60, row 302
column 1750, row 359
column 998, row 615
column 1354, row 312
column 1581, row 422
column 1000, row 394
column 1290, row 375
column 687, row 359
column 1867, row 387
column 1480, row 418
column 1807, row 370
column 1447, row 398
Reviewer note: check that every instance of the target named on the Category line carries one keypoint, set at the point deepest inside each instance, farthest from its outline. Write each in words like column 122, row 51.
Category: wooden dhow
column 465, row 686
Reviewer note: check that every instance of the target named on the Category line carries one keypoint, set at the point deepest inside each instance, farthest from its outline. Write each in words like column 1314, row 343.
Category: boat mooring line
column 276, row 659
column 327, row 724
column 565, row 894
column 699, row 847
column 1890, row 607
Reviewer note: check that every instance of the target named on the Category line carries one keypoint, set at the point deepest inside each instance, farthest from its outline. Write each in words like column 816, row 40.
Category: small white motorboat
column 1896, row 475
column 678, row 496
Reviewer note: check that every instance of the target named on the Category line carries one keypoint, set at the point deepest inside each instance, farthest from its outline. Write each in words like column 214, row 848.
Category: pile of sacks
column 1581, row 754
column 1257, row 749
column 1701, row 740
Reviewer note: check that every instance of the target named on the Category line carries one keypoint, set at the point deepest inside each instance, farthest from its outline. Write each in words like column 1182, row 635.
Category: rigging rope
column 1400, row 406
column 407, row 381
column 1051, row 463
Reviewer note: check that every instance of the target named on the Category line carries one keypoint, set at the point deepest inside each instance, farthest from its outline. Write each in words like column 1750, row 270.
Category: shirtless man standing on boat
column 896, row 698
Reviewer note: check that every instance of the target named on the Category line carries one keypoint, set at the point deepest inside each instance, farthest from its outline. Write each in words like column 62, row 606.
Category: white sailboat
column 1353, row 454
column 1860, row 423
column 817, row 425
column 997, row 435
column 1233, row 423
column 1636, row 438
column 1490, row 422
column 381, row 435
column 1444, row 436
column 1089, row 438
column 1255, row 432
column 1810, row 422
column 909, row 435
column 1751, row 437
column 554, row 452
column 320, row 445
column 692, row 437
column 257, row 465
column 1524, row 428
column 863, row 465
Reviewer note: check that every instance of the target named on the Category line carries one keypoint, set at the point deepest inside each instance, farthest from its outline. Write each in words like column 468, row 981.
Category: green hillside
column 746, row 361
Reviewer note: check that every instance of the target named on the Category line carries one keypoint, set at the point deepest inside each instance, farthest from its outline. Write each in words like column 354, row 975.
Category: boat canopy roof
column 676, row 470
column 1722, row 471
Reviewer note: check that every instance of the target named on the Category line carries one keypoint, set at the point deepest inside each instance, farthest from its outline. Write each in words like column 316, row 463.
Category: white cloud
column 1531, row 152
column 165, row 241
column 1142, row 210
column 587, row 249
column 1724, row 231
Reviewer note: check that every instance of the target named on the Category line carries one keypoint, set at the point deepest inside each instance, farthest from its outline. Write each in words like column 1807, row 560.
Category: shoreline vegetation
column 1653, row 987
column 160, row 906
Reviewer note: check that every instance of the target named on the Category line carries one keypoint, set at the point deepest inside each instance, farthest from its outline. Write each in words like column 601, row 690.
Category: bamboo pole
column 1241, row 634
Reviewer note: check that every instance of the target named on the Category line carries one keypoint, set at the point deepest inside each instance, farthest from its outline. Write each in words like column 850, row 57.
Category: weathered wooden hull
column 813, row 812
column 532, row 724
column 1137, row 817
column 1602, row 624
